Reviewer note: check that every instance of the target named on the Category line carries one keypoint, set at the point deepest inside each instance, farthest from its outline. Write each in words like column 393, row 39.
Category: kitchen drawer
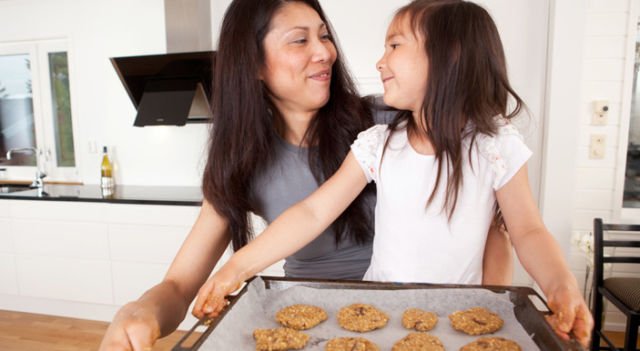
column 65, row 279
column 59, row 211
column 8, row 278
column 4, row 208
column 61, row 239
column 6, row 240
column 156, row 215
column 130, row 280
column 145, row 243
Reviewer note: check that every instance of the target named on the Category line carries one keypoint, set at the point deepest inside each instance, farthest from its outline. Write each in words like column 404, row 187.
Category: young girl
column 444, row 169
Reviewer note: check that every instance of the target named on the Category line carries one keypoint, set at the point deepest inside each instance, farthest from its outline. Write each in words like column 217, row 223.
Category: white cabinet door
column 145, row 243
column 8, row 276
column 65, row 279
column 61, row 239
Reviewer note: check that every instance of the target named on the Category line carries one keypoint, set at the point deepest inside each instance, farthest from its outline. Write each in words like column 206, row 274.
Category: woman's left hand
column 211, row 299
column 571, row 316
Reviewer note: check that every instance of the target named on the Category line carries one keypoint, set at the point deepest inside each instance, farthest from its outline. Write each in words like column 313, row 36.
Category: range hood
column 168, row 89
column 174, row 88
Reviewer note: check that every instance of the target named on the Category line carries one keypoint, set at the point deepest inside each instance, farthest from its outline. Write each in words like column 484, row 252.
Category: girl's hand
column 134, row 328
column 570, row 314
column 211, row 297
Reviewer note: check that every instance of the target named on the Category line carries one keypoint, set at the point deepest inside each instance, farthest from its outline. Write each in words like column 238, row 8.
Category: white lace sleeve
column 506, row 153
column 366, row 149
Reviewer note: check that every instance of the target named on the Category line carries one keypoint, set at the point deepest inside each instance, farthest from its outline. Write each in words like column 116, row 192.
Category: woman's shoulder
column 382, row 114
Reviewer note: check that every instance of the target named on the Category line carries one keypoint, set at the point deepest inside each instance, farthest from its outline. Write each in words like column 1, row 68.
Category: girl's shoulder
column 505, row 151
column 366, row 148
column 374, row 135
column 506, row 133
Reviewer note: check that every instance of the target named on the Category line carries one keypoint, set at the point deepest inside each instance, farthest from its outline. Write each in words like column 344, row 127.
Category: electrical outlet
column 597, row 146
column 600, row 114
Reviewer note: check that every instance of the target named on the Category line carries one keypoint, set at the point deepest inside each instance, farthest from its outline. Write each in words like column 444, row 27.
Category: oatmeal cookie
column 279, row 339
column 301, row 317
column 476, row 321
column 361, row 318
column 415, row 318
column 350, row 344
column 493, row 344
column 418, row 342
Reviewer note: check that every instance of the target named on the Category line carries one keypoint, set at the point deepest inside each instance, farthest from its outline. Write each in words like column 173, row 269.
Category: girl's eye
column 326, row 36
column 300, row 41
column 394, row 46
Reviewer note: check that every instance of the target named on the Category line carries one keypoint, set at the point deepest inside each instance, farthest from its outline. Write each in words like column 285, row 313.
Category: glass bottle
column 106, row 171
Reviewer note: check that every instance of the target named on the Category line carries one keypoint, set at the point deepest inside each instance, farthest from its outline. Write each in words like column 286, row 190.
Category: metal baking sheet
column 256, row 304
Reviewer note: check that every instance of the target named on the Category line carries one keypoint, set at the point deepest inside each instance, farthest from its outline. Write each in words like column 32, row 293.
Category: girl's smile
column 403, row 67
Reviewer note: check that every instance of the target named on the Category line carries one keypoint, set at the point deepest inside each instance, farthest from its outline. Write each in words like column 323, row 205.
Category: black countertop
column 127, row 194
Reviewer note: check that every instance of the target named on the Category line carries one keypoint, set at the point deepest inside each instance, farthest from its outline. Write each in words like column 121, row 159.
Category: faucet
column 37, row 183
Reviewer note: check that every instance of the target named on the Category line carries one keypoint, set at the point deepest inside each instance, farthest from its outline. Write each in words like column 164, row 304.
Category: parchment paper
column 256, row 309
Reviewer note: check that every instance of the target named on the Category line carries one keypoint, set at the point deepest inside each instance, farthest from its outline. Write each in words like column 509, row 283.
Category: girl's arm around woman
column 292, row 230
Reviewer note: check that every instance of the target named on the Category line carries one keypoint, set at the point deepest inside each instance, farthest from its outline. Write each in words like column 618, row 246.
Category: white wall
column 104, row 115
column 97, row 30
column 608, row 52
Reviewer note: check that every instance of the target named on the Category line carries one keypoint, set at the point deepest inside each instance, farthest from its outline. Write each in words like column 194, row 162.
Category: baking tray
column 530, row 318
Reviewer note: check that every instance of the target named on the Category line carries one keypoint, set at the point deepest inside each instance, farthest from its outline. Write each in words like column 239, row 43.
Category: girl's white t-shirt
column 416, row 243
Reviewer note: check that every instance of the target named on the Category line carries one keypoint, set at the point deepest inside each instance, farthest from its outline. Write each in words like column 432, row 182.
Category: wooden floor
column 35, row 332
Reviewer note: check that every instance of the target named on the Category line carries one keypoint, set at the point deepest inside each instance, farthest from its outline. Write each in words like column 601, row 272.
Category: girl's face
column 299, row 55
column 404, row 67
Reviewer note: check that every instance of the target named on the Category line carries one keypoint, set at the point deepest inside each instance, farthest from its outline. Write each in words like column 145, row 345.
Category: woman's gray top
column 286, row 182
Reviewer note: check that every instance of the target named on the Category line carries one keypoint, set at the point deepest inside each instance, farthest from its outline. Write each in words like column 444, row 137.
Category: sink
column 12, row 188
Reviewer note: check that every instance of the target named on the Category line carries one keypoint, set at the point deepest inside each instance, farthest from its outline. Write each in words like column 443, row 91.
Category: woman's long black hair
column 243, row 133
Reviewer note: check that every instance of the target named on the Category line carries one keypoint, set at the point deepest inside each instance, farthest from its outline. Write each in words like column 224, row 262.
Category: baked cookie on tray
column 493, row 344
column 350, row 344
column 476, row 321
column 301, row 317
column 420, row 320
column 418, row 342
column 279, row 339
column 361, row 318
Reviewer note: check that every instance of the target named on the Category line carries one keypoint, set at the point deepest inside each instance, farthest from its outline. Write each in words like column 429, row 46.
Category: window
column 631, row 193
column 36, row 109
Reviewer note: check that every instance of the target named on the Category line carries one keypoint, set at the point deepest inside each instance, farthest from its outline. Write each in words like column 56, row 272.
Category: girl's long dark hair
column 467, row 82
column 243, row 133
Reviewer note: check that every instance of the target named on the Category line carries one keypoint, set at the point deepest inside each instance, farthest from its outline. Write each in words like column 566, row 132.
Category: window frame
column 625, row 214
column 38, row 52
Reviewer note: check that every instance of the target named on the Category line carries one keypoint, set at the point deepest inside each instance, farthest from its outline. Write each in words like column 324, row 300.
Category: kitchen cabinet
column 86, row 259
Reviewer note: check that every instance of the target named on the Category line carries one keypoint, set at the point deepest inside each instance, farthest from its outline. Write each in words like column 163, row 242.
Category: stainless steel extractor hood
column 173, row 88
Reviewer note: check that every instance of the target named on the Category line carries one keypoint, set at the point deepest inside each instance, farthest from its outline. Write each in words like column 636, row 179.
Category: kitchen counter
column 150, row 195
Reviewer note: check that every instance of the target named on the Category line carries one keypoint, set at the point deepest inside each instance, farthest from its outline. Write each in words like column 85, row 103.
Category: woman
column 285, row 114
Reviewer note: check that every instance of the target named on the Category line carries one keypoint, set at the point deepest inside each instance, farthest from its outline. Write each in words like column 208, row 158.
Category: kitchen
column 561, row 63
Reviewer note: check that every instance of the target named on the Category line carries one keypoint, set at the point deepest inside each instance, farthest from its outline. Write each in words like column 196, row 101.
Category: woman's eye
column 394, row 46
column 326, row 36
column 300, row 41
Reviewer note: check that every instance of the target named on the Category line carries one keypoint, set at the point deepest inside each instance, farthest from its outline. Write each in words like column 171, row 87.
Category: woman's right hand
column 211, row 299
column 134, row 328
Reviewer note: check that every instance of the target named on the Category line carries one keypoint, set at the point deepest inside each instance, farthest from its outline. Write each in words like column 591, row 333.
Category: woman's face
column 299, row 55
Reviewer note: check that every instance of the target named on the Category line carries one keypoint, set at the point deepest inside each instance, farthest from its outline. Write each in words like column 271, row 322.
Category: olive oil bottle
column 106, row 171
